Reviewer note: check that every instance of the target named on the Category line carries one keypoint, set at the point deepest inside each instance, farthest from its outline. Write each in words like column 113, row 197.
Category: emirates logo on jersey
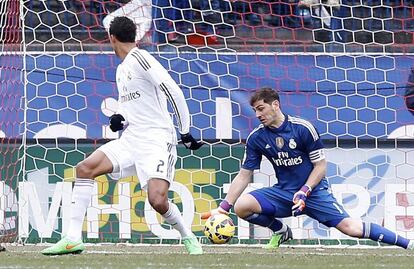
column 130, row 96
column 288, row 162
column 283, row 159
column 280, row 142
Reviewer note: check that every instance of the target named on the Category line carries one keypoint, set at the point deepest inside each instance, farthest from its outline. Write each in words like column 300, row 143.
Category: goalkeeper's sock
column 81, row 197
column 282, row 229
column 173, row 216
column 378, row 233
column 267, row 221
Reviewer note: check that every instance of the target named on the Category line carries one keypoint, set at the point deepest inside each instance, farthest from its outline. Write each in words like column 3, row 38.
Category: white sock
column 173, row 216
column 81, row 197
column 411, row 245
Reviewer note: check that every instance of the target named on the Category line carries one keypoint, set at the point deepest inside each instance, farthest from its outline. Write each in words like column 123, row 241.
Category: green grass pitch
column 174, row 256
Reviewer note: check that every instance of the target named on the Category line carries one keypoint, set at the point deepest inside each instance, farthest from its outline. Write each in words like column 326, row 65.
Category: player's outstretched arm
column 237, row 187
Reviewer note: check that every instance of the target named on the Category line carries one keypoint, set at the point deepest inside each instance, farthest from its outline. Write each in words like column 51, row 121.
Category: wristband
column 306, row 189
column 225, row 205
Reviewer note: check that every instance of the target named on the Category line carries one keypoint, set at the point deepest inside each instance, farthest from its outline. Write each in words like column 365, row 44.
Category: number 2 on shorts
column 161, row 164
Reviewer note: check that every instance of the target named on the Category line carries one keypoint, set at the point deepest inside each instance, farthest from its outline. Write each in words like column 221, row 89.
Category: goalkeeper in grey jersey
column 147, row 146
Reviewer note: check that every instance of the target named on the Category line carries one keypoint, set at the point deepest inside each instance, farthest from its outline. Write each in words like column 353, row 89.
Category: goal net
column 343, row 65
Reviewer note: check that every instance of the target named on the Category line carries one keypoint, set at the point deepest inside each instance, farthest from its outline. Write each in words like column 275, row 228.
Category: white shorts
column 147, row 159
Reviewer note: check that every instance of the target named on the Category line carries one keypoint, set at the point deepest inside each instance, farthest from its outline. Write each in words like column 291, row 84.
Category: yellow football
column 219, row 229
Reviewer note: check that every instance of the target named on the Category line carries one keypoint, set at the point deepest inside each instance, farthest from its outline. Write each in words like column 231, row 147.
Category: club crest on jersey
column 280, row 142
column 292, row 143
column 129, row 77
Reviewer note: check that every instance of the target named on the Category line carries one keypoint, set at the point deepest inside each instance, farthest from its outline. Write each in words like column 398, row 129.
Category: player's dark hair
column 268, row 95
column 124, row 29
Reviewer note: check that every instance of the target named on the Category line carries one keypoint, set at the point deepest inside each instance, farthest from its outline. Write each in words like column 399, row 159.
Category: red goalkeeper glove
column 299, row 199
column 223, row 208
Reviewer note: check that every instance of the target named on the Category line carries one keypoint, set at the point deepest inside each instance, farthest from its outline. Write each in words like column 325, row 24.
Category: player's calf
column 381, row 234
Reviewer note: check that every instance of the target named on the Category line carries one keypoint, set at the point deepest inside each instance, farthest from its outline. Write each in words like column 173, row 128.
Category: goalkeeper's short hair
column 124, row 29
column 268, row 95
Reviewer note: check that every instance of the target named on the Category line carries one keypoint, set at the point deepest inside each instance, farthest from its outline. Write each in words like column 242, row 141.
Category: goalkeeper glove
column 116, row 122
column 223, row 208
column 189, row 142
column 299, row 199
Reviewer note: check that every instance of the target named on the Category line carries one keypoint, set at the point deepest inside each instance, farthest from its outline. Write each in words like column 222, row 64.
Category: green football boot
column 278, row 239
column 64, row 246
column 192, row 245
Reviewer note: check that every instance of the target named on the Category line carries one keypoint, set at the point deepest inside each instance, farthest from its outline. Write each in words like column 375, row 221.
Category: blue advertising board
column 343, row 95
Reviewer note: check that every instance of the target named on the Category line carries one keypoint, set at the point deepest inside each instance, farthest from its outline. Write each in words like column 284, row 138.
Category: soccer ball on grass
column 219, row 229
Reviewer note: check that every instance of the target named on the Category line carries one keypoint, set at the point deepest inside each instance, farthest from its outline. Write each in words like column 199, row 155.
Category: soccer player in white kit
column 147, row 146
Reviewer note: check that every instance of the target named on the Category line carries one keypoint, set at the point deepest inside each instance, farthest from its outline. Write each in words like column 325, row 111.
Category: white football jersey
column 144, row 86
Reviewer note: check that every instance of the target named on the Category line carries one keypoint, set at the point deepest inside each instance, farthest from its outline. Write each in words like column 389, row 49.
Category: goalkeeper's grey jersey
column 144, row 87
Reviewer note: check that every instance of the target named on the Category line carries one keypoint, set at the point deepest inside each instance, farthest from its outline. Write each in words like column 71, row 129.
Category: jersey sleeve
column 160, row 77
column 252, row 156
column 312, row 142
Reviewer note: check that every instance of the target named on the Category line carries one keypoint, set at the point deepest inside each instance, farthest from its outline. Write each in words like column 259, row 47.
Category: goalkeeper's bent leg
column 267, row 221
column 257, row 210
column 281, row 232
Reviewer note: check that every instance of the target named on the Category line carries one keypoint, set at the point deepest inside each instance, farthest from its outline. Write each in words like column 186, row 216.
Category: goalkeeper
column 147, row 146
column 294, row 148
